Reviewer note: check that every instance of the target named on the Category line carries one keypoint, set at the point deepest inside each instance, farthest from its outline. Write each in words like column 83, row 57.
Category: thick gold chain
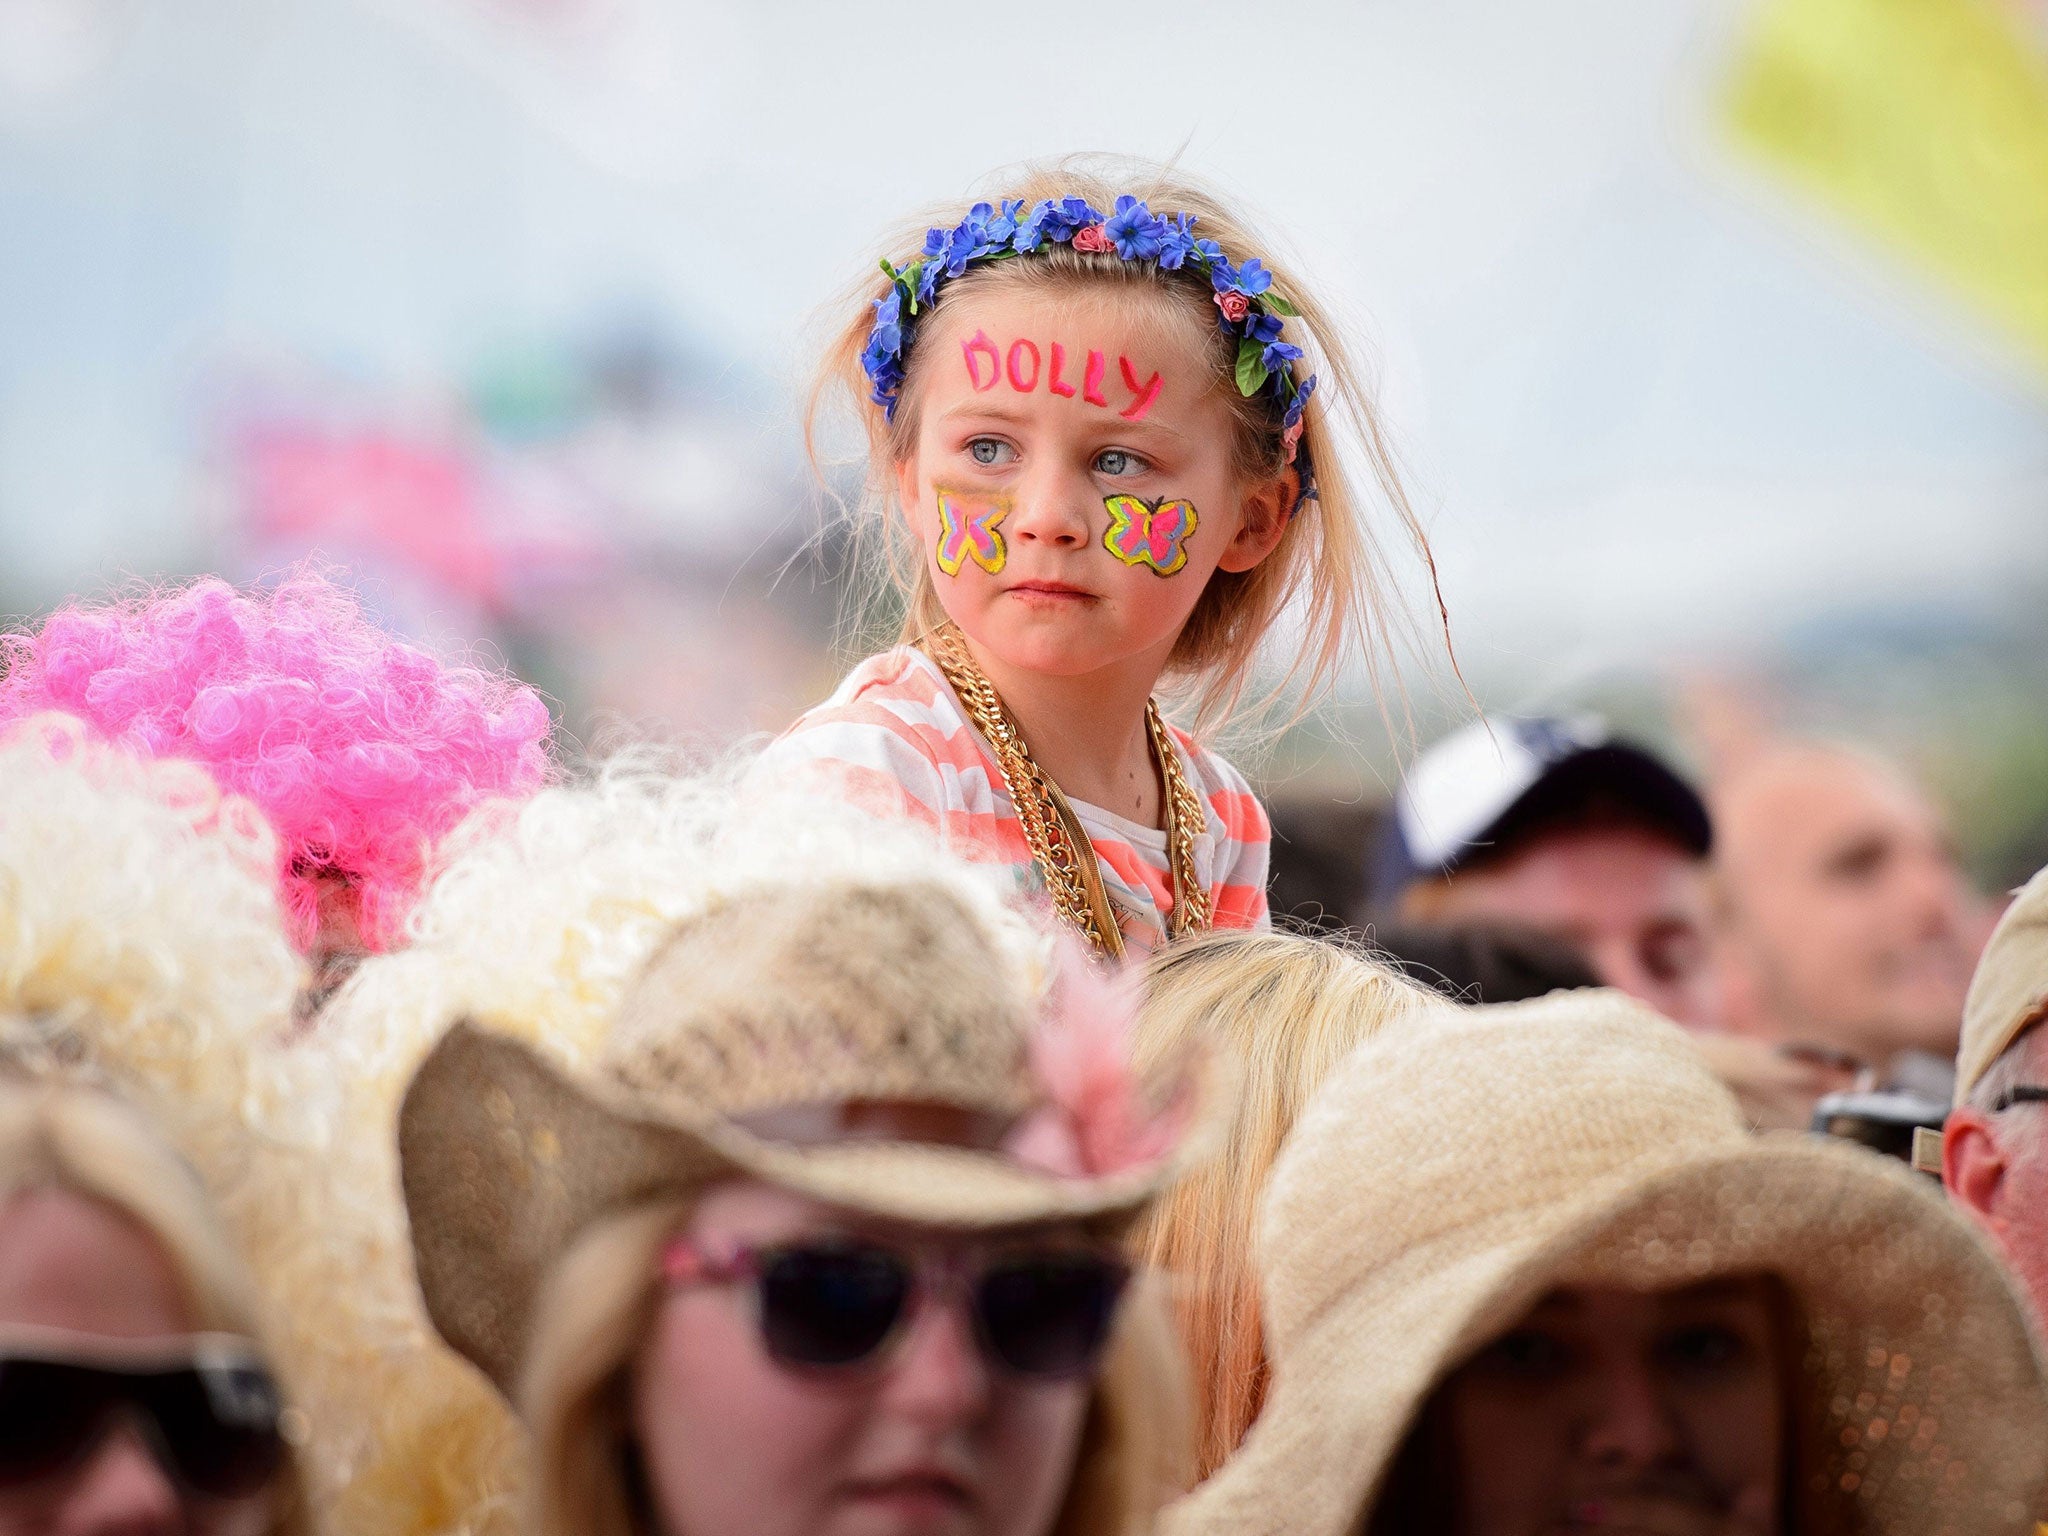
column 1059, row 846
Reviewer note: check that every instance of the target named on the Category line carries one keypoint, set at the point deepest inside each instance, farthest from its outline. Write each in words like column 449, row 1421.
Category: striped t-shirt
column 894, row 740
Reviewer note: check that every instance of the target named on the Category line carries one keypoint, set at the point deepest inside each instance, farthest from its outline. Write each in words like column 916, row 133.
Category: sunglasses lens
column 48, row 1411
column 219, row 1424
column 827, row 1306
column 1049, row 1314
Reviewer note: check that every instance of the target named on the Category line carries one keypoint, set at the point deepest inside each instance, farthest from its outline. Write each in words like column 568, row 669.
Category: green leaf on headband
column 1251, row 367
column 1278, row 305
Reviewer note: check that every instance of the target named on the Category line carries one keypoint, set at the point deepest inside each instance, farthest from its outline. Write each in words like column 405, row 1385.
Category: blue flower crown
column 1246, row 304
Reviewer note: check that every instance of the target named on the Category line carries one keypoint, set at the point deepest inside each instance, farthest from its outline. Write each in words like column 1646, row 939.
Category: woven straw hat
column 733, row 1054
column 2010, row 990
column 1458, row 1167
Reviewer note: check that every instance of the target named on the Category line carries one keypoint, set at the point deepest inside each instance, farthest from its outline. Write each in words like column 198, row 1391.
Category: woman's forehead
column 753, row 1210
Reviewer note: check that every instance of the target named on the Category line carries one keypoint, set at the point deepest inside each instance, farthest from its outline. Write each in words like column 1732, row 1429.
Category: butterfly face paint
column 1153, row 533
column 967, row 531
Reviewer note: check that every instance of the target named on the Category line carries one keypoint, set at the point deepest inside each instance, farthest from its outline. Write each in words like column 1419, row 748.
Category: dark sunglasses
column 2025, row 1093
column 837, row 1304
column 211, row 1415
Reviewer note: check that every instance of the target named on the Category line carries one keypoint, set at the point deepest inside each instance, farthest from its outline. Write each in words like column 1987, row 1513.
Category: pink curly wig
column 361, row 750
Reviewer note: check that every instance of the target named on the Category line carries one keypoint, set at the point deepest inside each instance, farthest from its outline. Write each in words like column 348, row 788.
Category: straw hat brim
column 505, row 1157
column 1909, row 1304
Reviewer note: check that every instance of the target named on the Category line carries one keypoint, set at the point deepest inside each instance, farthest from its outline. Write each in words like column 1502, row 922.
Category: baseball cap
column 2010, row 990
column 1476, row 790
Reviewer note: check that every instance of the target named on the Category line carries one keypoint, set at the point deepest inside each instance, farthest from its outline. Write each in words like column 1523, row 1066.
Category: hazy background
column 504, row 304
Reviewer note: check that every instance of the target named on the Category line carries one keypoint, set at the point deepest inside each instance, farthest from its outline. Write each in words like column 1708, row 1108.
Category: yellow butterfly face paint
column 968, row 526
column 1150, row 533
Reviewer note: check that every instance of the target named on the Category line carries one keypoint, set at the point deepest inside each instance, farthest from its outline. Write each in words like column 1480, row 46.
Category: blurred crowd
column 394, row 1116
column 922, row 1124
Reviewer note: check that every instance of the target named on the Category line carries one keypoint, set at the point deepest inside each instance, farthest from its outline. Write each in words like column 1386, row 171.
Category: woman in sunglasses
column 826, row 1243
column 134, row 1398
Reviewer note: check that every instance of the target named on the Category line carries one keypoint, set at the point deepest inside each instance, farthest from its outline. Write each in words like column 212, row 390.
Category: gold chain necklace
column 1059, row 846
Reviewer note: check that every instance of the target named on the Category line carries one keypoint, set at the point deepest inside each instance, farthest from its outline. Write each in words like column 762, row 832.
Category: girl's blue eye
column 1119, row 461
column 990, row 450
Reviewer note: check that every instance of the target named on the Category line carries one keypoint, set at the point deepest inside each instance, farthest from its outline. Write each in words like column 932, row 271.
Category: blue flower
column 1030, row 233
column 883, row 364
column 1176, row 241
column 1278, row 355
column 928, row 279
column 1063, row 218
column 1208, row 249
column 1222, row 275
column 1133, row 230
column 1253, row 279
column 888, row 332
column 1003, row 226
column 1263, row 328
column 935, row 243
column 1300, row 401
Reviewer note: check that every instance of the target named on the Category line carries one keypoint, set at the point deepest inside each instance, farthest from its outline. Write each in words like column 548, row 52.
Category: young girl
column 1094, row 404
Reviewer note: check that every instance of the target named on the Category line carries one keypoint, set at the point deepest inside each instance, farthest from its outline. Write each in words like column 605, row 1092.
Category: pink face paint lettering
column 1153, row 533
column 1142, row 394
column 1091, row 381
column 974, row 349
column 1023, row 365
column 1020, row 349
column 1056, row 384
column 967, row 531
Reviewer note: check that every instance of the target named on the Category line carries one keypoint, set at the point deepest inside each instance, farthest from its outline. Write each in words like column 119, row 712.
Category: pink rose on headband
column 1235, row 306
column 1094, row 238
column 1291, row 441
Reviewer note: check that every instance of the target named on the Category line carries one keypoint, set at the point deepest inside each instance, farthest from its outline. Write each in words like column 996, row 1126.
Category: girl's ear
column 1262, row 521
column 907, row 490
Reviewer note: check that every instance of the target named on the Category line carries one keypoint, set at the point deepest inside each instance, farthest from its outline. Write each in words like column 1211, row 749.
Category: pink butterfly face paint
column 1153, row 533
column 968, row 531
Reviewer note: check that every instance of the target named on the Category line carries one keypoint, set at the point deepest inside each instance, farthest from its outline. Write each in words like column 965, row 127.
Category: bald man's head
column 1848, row 922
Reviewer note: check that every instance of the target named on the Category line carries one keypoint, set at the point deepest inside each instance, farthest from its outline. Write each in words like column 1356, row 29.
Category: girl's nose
column 1053, row 510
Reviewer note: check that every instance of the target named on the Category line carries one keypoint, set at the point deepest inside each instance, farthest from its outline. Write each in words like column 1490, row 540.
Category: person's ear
column 1262, row 521
column 1973, row 1166
column 908, row 492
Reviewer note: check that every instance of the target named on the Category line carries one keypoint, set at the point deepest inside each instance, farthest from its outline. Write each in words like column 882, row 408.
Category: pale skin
column 1849, row 925
column 1996, row 1168
column 1072, row 637
column 930, row 1440
column 70, row 1265
column 1636, row 905
column 1632, row 1413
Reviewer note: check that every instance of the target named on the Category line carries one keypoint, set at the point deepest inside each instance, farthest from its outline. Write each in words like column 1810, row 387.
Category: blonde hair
column 66, row 1137
column 1329, row 559
column 542, row 915
column 598, row 1304
column 1290, row 1008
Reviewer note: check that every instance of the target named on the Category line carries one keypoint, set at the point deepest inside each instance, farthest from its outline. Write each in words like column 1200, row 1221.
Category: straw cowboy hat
column 2010, row 990
column 738, row 1052
column 1458, row 1167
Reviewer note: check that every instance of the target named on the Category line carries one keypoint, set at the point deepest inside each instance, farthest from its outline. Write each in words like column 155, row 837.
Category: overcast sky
column 1648, row 403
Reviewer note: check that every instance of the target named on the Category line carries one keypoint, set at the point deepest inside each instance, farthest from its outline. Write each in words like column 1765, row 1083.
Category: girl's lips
column 1054, row 589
